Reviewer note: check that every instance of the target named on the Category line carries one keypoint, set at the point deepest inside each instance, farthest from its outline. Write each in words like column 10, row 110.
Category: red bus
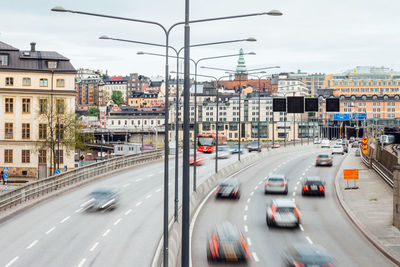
column 206, row 142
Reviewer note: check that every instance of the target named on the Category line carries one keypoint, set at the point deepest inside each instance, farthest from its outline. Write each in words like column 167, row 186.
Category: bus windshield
column 206, row 141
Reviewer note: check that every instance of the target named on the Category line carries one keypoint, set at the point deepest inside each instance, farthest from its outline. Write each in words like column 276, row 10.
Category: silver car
column 276, row 183
column 223, row 152
column 283, row 213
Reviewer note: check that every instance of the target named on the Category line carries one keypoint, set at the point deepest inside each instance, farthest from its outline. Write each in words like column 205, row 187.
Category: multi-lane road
column 323, row 221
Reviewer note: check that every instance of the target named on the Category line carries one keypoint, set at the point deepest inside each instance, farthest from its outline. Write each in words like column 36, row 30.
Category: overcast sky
column 313, row 35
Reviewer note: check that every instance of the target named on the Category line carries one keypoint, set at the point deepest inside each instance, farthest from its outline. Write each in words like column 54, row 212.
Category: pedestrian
column 2, row 177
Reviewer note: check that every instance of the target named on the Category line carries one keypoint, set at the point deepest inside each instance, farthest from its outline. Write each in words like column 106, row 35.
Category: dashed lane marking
column 148, row 196
column 246, row 208
column 106, row 232
column 32, row 244
column 294, row 193
column 158, row 190
column 252, row 193
column 128, row 211
column 78, row 210
column 295, row 188
column 246, row 229
column 12, row 261
column 256, row 187
column 150, row 175
column 256, row 259
column 117, row 221
column 139, row 203
column 245, row 218
column 65, row 219
column 50, row 230
column 260, row 182
column 303, row 173
column 126, row 185
column 306, row 170
column 138, row 180
column 249, row 241
column 301, row 227
column 309, row 240
column 82, row 262
column 248, row 200
column 94, row 246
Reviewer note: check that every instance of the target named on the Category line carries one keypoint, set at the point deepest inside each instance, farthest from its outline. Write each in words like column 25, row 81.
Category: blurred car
column 345, row 147
column 337, row 149
column 325, row 143
column 352, row 139
column 253, row 146
column 228, row 188
column 223, row 152
column 317, row 141
column 283, row 213
column 355, row 144
column 276, row 145
column 102, row 199
column 227, row 244
column 276, row 183
column 313, row 185
column 323, row 160
column 339, row 141
column 235, row 149
column 305, row 255
column 199, row 160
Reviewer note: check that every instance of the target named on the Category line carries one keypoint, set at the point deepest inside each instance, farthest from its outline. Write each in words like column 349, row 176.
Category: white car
column 337, row 149
column 317, row 141
column 325, row 143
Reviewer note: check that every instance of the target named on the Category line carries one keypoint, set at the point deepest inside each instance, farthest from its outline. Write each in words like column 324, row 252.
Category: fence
column 383, row 171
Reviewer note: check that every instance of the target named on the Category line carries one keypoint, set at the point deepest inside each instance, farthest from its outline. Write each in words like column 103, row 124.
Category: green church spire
column 241, row 67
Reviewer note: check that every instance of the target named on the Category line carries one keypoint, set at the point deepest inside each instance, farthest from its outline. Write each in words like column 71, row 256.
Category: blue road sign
column 5, row 169
column 57, row 171
column 82, row 162
column 341, row 117
column 359, row 116
column 5, row 175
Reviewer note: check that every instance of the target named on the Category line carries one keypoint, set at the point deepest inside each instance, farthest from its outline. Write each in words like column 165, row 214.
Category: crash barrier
column 383, row 172
column 34, row 191
column 202, row 191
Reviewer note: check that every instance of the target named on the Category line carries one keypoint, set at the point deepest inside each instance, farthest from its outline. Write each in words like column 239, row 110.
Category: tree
column 93, row 111
column 117, row 97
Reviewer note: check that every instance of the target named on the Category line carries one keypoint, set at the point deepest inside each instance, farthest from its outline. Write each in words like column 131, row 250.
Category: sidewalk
column 370, row 207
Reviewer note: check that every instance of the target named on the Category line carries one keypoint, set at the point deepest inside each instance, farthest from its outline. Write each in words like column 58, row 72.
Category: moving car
column 345, row 147
column 276, row 145
column 235, row 149
column 317, row 141
column 355, row 144
column 283, row 213
column 313, row 185
column 228, row 188
column 276, row 183
column 253, row 146
column 199, row 160
column 337, row 149
column 323, row 160
column 102, row 199
column 227, row 244
column 306, row 255
column 223, row 152
column 325, row 143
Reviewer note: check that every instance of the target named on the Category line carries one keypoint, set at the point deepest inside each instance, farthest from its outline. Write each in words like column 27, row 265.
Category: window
column 26, row 81
column 3, row 60
column 26, row 131
column 9, row 105
column 8, row 156
column 60, row 131
column 26, row 105
column 42, row 106
column 52, row 64
column 42, row 131
column 60, row 154
column 43, row 82
column 9, row 81
column 60, row 106
column 8, row 133
column 26, row 156
column 42, row 156
column 60, row 83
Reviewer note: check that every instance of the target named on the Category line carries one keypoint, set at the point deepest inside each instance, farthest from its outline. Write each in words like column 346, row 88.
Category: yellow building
column 29, row 82
column 364, row 81
column 140, row 99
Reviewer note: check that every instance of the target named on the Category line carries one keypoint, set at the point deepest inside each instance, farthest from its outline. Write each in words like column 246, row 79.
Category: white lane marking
column 94, row 246
column 126, row 185
column 128, row 211
column 294, row 193
column 298, row 182
column 303, row 173
column 256, row 187
column 117, row 221
column 82, row 262
column 252, row 193
column 87, row 202
column 245, row 217
column 150, row 175
column 32, row 244
column 65, row 219
column 293, row 199
column 170, row 183
column 274, row 170
column 50, row 230
column 246, row 208
column 139, row 203
column 160, row 171
column 12, row 261
column 295, row 188
column 256, row 259
column 148, row 196
column 246, row 229
column 158, row 190
column 306, row 170
column 260, row 182
column 78, row 210
column 309, row 240
column 138, row 180
column 248, row 200
column 106, row 232
column 301, row 227
column 249, row 241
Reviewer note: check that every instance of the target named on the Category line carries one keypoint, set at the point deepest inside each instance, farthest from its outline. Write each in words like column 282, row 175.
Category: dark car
column 307, row 255
column 102, row 199
column 323, row 160
column 345, row 147
column 283, row 213
column 313, row 185
column 227, row 244
column 253, row 146
column 228, row 188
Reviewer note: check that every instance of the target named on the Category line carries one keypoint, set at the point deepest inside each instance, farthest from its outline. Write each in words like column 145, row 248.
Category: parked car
column 313, row 185
column 306, row 255
column 223, row 152
column 323, row 160
column 102, row 199
column 228, row 188
column 317, row 141
column 283, row 213
column 253, row 146
column 276, row 183
column 199, row 160
column 337, row 149
column 236, row 149
column 325, row 143
column 276, row 145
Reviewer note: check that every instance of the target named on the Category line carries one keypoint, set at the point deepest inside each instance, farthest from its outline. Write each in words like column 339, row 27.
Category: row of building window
column 26, row 105
column 26, row 131
column 26, row 156
column 27, row 82
column 355, row 83
column 138, row 122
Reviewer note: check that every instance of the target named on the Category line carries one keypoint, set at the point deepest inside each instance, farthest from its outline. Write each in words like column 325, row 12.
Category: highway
column 323, row 221
column 58, row 232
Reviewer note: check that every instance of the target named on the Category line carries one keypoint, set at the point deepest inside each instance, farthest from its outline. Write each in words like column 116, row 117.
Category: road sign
column 57, row 171
column 5, row 169
column 364, row 141
column 365, row 149
column 359, row 116
column 350, row 174
column 5, row 175
column 341, row 117
column 82, row 164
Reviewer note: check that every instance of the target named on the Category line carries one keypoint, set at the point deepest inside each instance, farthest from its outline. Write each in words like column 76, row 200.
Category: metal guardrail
column 57, row 182
column 386, row 175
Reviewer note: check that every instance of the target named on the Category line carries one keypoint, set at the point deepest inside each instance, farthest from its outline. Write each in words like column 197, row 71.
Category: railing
column 57, row 182
column 385, row 173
